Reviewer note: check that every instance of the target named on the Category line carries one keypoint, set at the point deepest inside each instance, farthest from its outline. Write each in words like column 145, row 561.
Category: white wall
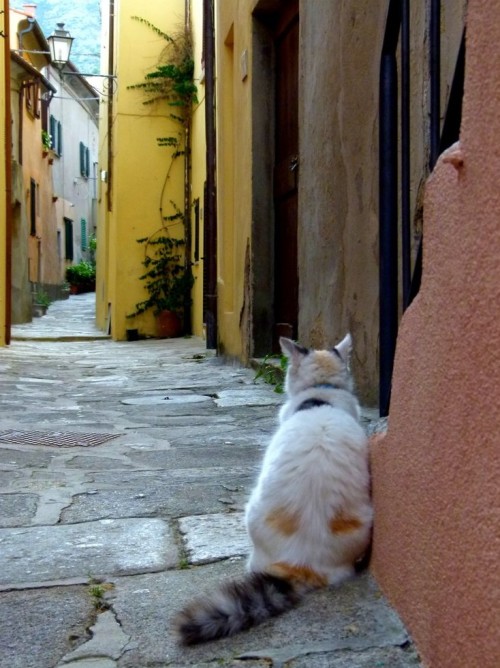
column 79, row 123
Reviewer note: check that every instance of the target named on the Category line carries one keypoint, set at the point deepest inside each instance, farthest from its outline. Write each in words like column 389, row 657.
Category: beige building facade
column 5, row 181
column 33, row 245
column 51, row 214
column 298, row 169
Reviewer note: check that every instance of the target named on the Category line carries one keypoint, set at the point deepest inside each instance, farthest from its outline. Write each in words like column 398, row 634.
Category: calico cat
column 309, row 516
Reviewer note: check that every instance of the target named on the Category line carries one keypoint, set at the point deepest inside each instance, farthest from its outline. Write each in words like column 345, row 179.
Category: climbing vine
column 171, row 82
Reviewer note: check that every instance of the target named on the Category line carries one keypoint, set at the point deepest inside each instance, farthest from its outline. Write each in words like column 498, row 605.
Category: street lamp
column 60, row 46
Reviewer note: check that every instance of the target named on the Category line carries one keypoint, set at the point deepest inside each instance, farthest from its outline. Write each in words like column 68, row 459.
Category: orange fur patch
column 282, row 521
column 298, row 574
column 327, row 362
column 343, row 524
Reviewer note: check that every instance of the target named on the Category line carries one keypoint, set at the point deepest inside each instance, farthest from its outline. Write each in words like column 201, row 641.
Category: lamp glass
column 60, row 46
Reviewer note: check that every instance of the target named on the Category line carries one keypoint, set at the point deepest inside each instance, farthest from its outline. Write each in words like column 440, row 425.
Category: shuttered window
column 68, row 238
column 84, row 160
column 59, row 139
column 83, row 227
column 55, row 130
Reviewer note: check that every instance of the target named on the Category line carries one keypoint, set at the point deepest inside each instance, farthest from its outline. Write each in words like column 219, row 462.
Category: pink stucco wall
column 436, row 474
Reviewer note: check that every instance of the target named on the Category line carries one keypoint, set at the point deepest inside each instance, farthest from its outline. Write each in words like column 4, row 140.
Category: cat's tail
column 235, row 606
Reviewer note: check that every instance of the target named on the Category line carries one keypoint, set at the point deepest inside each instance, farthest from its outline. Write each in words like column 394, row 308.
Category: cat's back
column 320, row 432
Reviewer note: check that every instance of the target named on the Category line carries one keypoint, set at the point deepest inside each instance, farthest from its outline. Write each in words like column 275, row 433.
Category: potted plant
column 41, row 302
column 81, row 277
column 168, row 282
column 168, row 276
column 46, row 143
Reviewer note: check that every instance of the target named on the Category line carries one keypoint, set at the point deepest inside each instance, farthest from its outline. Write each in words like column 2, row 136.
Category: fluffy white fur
column 315, row 469
column 309, row 516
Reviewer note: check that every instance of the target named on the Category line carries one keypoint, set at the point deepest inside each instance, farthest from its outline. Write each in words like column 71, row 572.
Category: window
column 33, row 97
column 84, row 160
column 68, row 238
column 56, row 135
column 33, row 207
column 45, row 113
column 83, row 227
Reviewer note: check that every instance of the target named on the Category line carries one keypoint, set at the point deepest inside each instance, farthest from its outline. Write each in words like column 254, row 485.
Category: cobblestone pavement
column 124, row 470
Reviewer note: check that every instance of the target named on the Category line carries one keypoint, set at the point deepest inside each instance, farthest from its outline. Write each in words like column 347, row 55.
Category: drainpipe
column 187, row 187
column 111, row 47
column 435, row 80
column 210, row 238
column 8, row 174
column 388, row 204
column 31, row 24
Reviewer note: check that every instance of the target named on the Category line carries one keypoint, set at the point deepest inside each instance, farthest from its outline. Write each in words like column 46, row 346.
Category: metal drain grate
column 58, row 439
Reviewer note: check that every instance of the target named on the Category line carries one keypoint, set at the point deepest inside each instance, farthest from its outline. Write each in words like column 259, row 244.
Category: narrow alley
column 124, row 472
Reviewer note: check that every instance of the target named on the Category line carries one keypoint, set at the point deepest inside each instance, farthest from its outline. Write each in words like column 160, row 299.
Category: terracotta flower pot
column 168, row 325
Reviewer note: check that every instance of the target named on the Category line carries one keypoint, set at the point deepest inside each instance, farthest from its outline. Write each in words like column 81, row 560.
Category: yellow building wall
column 141, row 181
column 198, row 169
column 34, row 164
column 234, row 169
column 5, row 153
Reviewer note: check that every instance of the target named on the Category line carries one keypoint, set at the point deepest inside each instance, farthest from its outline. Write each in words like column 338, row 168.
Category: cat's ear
column 344, row 348
column 292, row 349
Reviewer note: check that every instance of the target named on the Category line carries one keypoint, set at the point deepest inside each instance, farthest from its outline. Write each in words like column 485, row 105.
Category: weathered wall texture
column 3, row 187
column 198, row 169
column 234, row 171
column 338, row 243
column 338, row 217
column 32, row 255
column 435, row 474
column 341, row 44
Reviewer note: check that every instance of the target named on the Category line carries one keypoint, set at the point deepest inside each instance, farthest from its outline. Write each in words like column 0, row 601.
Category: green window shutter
column 53, row 131
column 59, row 138
column 82, row 159
column 87, row 162
column 83, row 226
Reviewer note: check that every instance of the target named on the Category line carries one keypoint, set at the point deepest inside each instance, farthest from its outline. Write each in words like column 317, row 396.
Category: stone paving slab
column 108, row 641
column 210, row 492
column 56, row 324
column 214, row 537
column 135, row 511
column 17, row 509
column 354, row 617
column 94, row 549
column 258, row 397
column 39, row 626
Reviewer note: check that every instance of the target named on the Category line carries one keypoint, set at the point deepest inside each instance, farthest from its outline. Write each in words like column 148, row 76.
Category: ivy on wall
column 171, row 83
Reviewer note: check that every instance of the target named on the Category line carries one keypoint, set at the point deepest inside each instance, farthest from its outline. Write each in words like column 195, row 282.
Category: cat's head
column 309, row 368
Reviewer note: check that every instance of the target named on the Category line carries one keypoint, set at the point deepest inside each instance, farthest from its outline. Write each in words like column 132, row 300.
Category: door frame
column 263, row 161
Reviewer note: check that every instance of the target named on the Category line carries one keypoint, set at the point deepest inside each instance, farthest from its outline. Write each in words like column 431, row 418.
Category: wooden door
column 286, row 172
